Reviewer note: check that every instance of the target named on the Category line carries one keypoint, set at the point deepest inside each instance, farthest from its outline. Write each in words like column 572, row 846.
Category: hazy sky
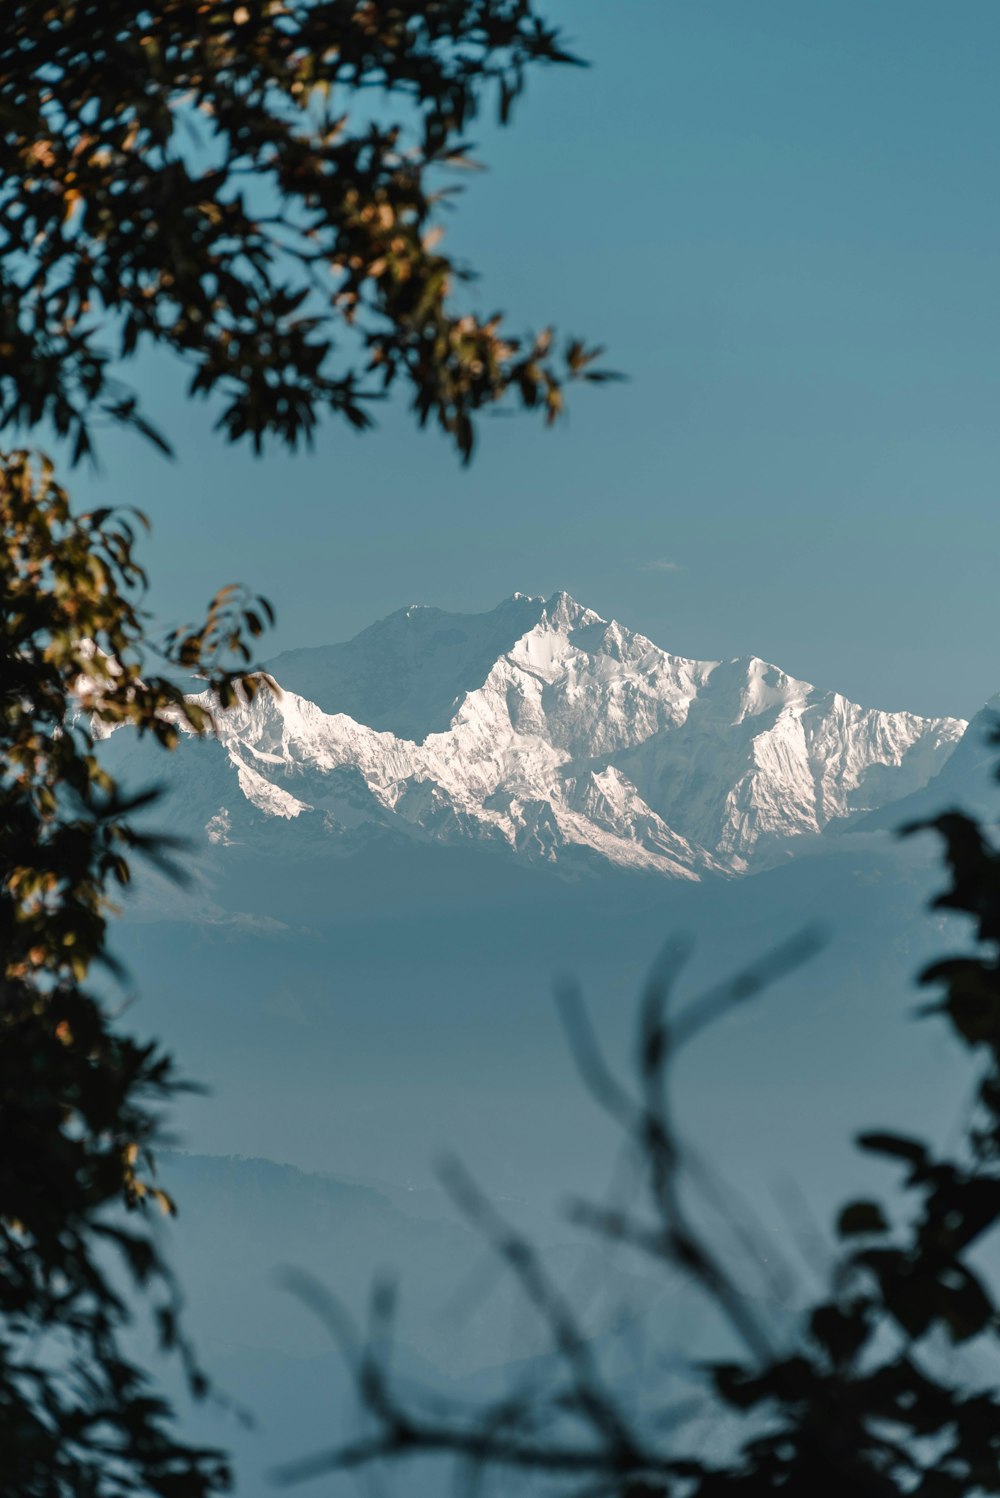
column 784, row 222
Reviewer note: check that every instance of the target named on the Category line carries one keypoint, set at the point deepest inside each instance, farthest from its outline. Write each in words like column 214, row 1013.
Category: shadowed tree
column 78, row 1096
column 256, row 186
column 212, row 178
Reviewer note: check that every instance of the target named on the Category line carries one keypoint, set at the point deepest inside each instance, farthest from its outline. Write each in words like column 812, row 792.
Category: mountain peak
column 408, row 672
column 563, row 612
column 542, row 728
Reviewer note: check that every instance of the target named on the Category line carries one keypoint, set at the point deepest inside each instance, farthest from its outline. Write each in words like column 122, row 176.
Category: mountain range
column 395, row 854
column 553, row 735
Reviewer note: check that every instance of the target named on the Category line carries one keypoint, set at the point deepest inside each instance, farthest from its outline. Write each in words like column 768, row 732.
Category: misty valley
column 394, row 861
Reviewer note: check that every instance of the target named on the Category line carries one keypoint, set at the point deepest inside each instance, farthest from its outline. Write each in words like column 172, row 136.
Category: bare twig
column 593, row 1400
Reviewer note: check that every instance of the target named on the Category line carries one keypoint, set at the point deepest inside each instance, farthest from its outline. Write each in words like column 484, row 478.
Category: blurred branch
column 506, row 1434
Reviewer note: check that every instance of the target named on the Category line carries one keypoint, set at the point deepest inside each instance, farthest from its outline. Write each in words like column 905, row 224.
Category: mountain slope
column 546, row 732
column 408, row 673
column 967, row 781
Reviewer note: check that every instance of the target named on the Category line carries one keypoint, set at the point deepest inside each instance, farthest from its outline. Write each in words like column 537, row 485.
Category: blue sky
column 784, row 222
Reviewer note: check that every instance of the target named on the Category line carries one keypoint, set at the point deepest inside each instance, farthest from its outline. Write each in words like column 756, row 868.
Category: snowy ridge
column 557, row 735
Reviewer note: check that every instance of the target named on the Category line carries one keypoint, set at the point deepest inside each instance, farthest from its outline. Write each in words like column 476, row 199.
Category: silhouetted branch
column 591, row 1397
column 506, row 1433
column 717, row 1001
column 863, row 1403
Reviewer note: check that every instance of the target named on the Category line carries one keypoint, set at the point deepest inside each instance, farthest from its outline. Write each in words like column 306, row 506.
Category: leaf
column 860, row 1218
column 841, row 1333
column 894, row 1145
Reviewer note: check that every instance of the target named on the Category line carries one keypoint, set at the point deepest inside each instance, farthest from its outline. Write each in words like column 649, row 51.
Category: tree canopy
column 77, row 1095
column 255, row 185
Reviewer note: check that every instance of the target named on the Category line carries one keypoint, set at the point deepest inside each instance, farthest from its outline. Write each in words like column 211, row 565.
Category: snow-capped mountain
column 554, row 734
column 967, row 781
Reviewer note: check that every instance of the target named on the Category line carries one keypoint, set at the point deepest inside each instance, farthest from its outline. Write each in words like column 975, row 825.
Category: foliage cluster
column 198, row 175
column 206, row 177
column 77, row 1094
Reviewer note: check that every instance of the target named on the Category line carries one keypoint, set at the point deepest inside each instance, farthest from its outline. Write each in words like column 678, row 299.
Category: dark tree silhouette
column 256, row 186
column 78, row 1096
column 201, row 176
